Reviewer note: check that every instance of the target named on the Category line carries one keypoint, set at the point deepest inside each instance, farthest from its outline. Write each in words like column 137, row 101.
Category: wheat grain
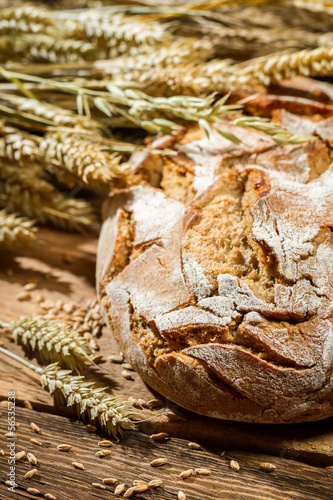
column 36, row 441
column 105, row 443
column 35, row 428
column 267, row 466
column 32, row 459
column 30, row 473
column 103, row 453
column 194, row 446
column 181, row 495
column 49, row 496
column 110, row 480
column 54, row 343
column 111, row 414
column 64, row 447
column 155, row 483
column 33, row 491
column 20, row 455
column 158, row 462
column 99, row 486
column 119, row 489
column 23, row 296
column 159, row 437
column 203, row 472
column 234, row 465
column 78, row 465
column 186, row 473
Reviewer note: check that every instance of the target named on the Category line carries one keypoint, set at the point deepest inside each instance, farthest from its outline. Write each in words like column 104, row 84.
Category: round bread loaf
column 218, row 285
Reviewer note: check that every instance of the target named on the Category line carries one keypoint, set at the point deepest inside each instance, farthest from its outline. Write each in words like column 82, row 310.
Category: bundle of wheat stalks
column 75, row 84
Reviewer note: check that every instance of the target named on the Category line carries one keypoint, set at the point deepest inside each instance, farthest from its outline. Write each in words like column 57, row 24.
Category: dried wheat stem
column 15, row 230
column 55, row 343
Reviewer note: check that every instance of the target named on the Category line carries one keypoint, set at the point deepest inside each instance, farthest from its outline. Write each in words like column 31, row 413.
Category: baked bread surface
column 218, row 285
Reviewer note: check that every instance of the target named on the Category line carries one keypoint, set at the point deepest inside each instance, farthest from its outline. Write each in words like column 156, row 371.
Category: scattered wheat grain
column 77, row 465
column 158, row 462
column 234, row 465
column 106, row 443
column 203, row 472
column 267, row 466
column 160, row 436
column 33, row 491
column 140, row 488
column 153, row 403
column 49, row 496
column 32, row 459
column 103, row 453
column 28, row 405
column 110, row 480
column 64, row 447
column 35, row 441
column 119, row 489
column 194, row 446
column 90, row 428
column 23, row 296
column 126, row 374
column 130, row 492
column 30, row 473
column 155, row 483
column 11, row 483
column 35, row 428
column 2, row 453
column 20, row 455
column 99, row 486
column 181, row 495
column 186, row 473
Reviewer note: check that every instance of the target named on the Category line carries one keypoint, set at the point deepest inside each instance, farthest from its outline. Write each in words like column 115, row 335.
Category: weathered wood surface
column 63, row 266
column 130, row 458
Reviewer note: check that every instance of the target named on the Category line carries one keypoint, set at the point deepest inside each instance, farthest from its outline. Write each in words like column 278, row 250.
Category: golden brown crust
column 224, row 304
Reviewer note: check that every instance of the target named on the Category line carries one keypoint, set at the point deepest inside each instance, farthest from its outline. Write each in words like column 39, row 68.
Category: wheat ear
column 88, row 161
column 95, row 404
column 308, row 62
column 15, row 230
column 24, row 190
column 55, row 343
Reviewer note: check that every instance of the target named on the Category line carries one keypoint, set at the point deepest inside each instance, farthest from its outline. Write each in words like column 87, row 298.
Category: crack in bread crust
column 234, row 287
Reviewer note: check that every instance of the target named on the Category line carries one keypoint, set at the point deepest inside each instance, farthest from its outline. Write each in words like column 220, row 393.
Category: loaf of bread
column 218, row 284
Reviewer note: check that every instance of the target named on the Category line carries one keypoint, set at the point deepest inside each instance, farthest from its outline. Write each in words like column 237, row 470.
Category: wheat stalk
column 15, row 230
column 88, row 161
column 54, row 343
column 95, row 404
column 26, row 191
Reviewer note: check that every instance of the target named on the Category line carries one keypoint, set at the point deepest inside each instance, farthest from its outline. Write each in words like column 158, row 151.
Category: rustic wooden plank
column 63, row 267
column 130, row 460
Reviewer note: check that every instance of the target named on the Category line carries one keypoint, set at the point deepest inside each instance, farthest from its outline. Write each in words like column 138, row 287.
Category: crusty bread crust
column 224, row 304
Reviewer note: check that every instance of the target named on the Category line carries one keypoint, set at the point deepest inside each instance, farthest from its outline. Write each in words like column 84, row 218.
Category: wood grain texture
column 63, row 267
column 130, row 458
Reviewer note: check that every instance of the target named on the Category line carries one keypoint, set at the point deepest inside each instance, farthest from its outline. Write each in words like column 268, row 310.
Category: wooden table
column 63, row 266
